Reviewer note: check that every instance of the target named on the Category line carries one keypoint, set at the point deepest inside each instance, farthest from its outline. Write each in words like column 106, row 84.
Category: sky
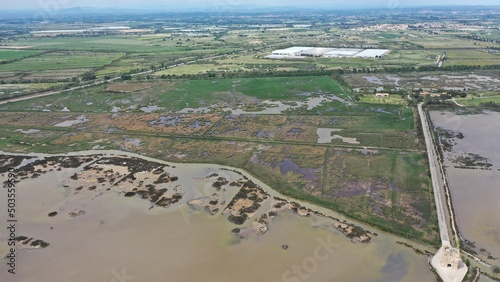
column 63, row 4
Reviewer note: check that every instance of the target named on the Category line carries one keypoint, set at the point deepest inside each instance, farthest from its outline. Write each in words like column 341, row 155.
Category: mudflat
column 100, row 227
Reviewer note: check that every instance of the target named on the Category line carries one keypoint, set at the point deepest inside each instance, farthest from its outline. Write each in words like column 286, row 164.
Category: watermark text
column 10, row 185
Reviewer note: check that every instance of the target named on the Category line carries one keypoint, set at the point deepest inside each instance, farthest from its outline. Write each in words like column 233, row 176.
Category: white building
column 341, row 52
column 298, row 52
column 292, row 51
column 315, row 52
column 371, row 53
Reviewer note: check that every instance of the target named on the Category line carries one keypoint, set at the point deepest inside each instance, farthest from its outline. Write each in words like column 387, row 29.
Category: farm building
column 327, row 52
column 371, row 53
column 382, row 95
column 292, row 51
column 315, row 52
column 341, row 52
column 433, row 94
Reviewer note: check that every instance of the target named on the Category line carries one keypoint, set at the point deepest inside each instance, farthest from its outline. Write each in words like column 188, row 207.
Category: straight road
column 444, row 258
column 437, row 185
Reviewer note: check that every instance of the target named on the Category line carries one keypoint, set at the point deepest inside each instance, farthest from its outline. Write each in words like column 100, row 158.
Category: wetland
column 84, row 203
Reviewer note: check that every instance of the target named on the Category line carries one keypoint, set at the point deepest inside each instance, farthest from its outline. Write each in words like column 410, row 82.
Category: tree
column 88, row 76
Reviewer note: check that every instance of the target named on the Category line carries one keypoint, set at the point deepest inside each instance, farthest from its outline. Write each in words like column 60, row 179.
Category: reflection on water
column 395, row 268
column 289, row 166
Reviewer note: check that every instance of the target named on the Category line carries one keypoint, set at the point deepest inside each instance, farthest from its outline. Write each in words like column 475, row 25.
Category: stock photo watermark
column 394, row 6
column 10, row 185
column 224, row 6
column 49, row 8
column 121, row 276
column 303, row 270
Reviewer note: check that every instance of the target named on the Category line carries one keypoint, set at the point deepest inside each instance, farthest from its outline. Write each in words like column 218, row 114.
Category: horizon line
column 202, row 8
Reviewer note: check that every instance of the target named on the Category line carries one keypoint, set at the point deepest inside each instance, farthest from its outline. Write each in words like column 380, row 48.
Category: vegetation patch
column 128, row 87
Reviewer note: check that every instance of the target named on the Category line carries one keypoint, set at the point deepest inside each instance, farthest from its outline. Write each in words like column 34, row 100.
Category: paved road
column 447, row 274
column 435, row 175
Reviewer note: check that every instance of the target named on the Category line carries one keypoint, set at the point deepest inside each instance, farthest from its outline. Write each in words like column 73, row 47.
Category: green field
column 7, row 55
column 478, row 101
column 12, row 139
column 62, row 60
column 390, row 35
column 12, row 90
column 130, row 43
column 446, row 40
column 471, row 57
column 178, row 94
column 111, row 55
column 391, row 100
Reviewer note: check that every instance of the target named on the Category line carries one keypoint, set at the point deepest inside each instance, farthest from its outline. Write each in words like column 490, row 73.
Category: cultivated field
column 8, row 55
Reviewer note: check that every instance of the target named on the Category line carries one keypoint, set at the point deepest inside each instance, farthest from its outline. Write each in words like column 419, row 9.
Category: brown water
column 325, row 136
column 68, row 123
column 484, row 278
column 475, row 192
column 121, row 239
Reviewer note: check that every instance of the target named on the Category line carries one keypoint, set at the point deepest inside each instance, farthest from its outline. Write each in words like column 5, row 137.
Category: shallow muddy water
column 150, row 109
column 325, row 136
column 373, row 79
column 121, row 237
column 475, row 190
column 484, row 278
column 68, row 123
column 272, row 107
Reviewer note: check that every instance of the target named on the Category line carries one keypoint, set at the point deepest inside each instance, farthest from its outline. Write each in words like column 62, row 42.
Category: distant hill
column 94, row 10
column 226, row 7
